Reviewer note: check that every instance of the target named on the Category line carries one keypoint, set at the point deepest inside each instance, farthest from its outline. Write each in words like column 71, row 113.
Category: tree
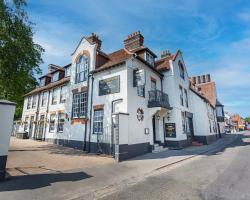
column 20, row 57
column 247, row 119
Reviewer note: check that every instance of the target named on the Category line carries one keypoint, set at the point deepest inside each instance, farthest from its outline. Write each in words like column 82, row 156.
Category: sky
column 214, row 35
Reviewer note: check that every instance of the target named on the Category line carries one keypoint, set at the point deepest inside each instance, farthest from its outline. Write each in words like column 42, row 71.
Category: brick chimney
column 165, row 53
column 94, row 39
column 134, row 41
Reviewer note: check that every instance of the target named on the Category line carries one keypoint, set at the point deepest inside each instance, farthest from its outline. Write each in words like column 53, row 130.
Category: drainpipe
column 46, row 117
column 90, row 114
column 86, row 125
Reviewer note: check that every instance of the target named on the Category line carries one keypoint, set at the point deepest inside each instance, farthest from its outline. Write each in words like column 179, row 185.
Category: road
column 221, row 175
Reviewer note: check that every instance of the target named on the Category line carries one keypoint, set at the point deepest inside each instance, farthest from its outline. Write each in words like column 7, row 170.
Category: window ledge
column 79, row 121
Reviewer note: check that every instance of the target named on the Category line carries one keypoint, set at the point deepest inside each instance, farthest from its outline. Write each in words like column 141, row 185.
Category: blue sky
column 213, row 35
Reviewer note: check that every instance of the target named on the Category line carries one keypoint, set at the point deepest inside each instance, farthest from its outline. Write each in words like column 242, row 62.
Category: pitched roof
column 218, row 103
column 115, row 58
column 49, row 86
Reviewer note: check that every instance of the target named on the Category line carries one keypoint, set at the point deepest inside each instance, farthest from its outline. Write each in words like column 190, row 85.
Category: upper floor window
column 186, row 97
column 67, row 71
column 181, row 69
column 54, row 96
column 153, row 85
column 34, row 101
column 29, row 103
column 55, row 77
column 149, row 58
column 79, row 106
column 82, row 69
column 63, row 94
column 181, row 95
column 44, row 98
column 42, row 82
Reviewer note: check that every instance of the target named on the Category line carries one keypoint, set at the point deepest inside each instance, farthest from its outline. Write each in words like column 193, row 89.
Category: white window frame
column 82, row 67
column 54, row 96
column 44, row 99
column 79, row 105
column 55, row 77
column 52, row 121
column 98, row 122
column 63, row 93
column 60, row 124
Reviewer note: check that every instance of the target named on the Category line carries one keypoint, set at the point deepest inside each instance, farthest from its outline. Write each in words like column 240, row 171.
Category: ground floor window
column 61, row 118
column 52, row 123
column 26, row 123
column 98, row 121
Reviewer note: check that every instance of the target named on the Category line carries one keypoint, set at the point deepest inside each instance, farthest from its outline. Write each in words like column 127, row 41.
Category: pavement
column 220, row 174
column 70, row 176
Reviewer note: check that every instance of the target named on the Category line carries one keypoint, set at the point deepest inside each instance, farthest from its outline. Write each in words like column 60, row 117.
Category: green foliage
column 20, row 57
column 247, row 119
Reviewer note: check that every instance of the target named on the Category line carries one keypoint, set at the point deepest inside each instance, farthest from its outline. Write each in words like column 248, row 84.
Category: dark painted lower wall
column 3, row 160
column 208, row 139
column 178, row 144
column 127, row 151
column 68, row 143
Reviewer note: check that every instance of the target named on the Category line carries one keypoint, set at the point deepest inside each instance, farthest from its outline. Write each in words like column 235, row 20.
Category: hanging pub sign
column 170, row 130
column 139, row 77
column 109, row 85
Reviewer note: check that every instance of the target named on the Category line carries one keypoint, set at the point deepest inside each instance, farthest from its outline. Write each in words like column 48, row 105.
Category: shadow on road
column 40, row 180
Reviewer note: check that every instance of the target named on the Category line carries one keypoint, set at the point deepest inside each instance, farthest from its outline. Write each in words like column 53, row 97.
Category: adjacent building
column 123, row 103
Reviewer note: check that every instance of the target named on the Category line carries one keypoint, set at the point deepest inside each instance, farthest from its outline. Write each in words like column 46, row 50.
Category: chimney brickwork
column 134, row 41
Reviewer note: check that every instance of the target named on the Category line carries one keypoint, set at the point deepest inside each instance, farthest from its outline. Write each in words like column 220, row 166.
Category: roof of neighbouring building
column 218, row 103
column 49, row 86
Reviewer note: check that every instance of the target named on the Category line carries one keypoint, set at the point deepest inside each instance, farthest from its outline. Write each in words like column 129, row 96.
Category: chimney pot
column 165, row 53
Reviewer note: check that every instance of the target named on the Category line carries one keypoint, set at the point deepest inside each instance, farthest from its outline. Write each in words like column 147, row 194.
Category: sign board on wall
column 170, row 130
column 109, row 85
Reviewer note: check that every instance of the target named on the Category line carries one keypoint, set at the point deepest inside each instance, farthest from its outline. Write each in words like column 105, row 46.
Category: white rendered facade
column 119, row 117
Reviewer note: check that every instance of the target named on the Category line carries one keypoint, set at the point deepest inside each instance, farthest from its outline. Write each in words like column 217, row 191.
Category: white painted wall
column 6, row 123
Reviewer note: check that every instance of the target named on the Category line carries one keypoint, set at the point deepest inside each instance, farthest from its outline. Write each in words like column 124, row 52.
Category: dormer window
column 42, row 82
column 82, row 66
column 55, row 77
column 149, row 58
column 181, row 69
column 67, row 71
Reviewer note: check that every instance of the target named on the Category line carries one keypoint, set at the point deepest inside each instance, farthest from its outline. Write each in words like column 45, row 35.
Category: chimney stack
column 134, row 41
column 165, row 53
column 94, row 39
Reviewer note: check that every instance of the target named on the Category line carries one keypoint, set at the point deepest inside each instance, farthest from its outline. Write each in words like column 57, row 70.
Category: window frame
column 186, row 98
column 181, row 70
column 60, row 124
column 29, row 102
column 98, row 121
column 54, row 96
column 56, row 74
column 79, row 105
column 82, row 69
column 44, row 100
column 141, row 91
column 63, row 99
column 52, row 121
